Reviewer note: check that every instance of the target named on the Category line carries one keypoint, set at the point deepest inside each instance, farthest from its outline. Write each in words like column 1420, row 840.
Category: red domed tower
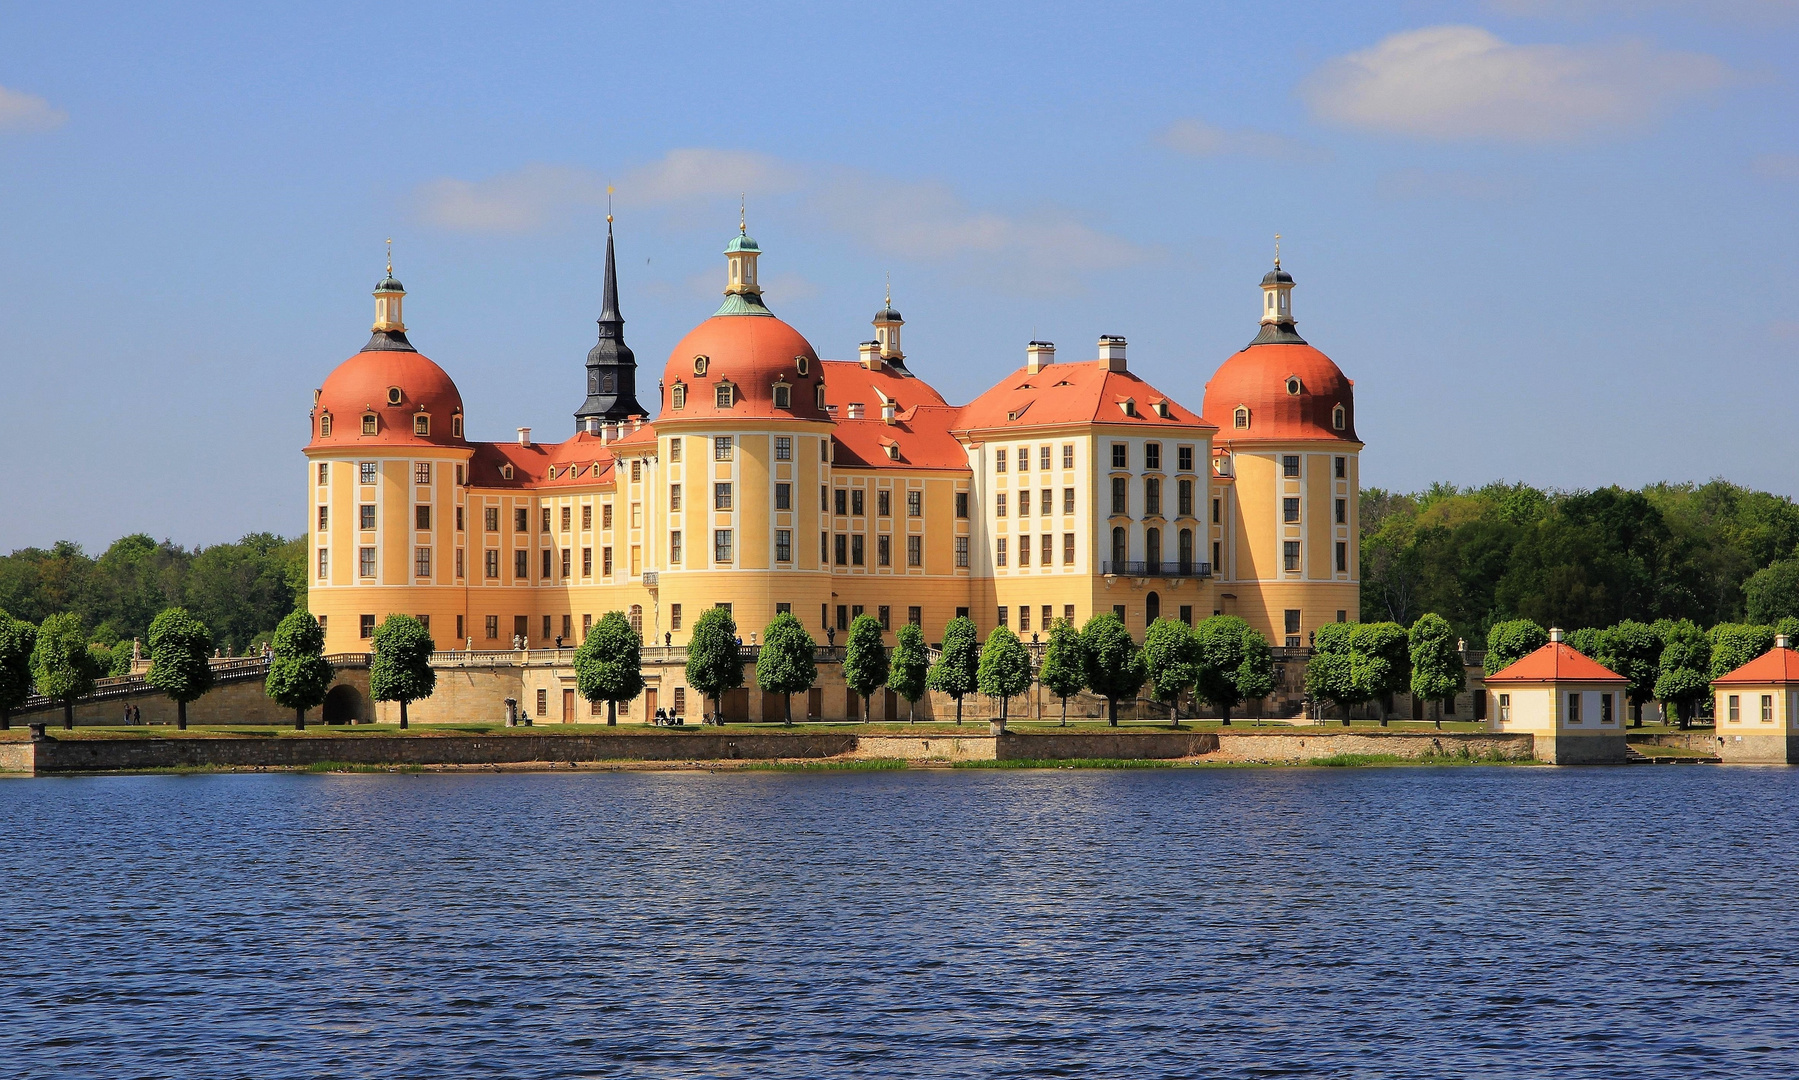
column 1284, row 517
column 386, row 469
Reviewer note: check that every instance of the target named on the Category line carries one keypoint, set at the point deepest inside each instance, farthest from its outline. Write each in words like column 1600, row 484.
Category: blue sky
column 1551, row 241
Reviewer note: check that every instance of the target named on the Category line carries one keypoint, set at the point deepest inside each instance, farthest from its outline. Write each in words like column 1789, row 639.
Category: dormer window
column 1339, row 418
column 324, row 425
column 506, row 473
column 726, row 395
column 892, row 449
column 421, row 423
column 456, row 425
column 1240, row 418
column 678, row 396
column 368, row 423
column 393, row 395
column 1294, row 386
column 801, row 364
column 1161, row 408
column 783, row 396
column 699, row 365
column 1129, row 406
column 821, row 395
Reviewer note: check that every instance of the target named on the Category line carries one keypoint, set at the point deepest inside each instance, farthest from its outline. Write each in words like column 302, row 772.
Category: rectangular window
column 783, row 448
column 521, row 564
column 586, row 562
column 721, row 545
column 1024, row 504
column 421, row 472
column 1290, row 620
column 674, row 548
column 723, row 395
column 1152, row 456
column 674, row 498
column 884, row 503
column 843, row 550
column 324, row 471
column 674, row 616
column 637, row 515
column 1505, row 707
column 1342, row 557
column 914, row 551
column 606, row 516
column 1342, row 468
column 521, row 520
column 324, row 563
column 843, row 617
column 961, row 552
column 1024, row 617
column 1068, row 548
column 1290, row 554
column 1605, row 708
column 567, row 561
column 843, row 500
column 915, row 504
column 459, row 564
column 1068, row 500
column 1216, row 548
column 999, row 505
column 1152, row 496
column 1024, row 551
column 606, row 561
column 546, row 566
column 1217, row 511
column 1184, row 460
column 366, row 561
column 1121, row 496
column 546, row 628
column 1290, row 511
column 783, row 545
column 1342, row 511
column 1068, row 455
column 421, row 517
column 915, row 616
column 883, row 550
column 1767, row 708
column 1184, row 494
column 885, row 615
column 856, row 506
column 421, row 562
column 824, row 549
column 365, row 517
column 961, row 504
column 1121, row 456
column 565, row 517
column 1048, row 499
column 999, row 552
column 1187, row 614
column 1049, row 549
column 1290, row 465
column 1573, row 708
column 721, row 448
column 1024, row 459
column 459, row 519
column 365, row 471
column 674, row 449
column 586, row 626
column 1002, row 615
column 856, row 550
column 721, row 496
column 783, row 496
column 587, row 518
column 1043, row 457
column 491, row 565
column 491, row 626
column 999, row 460
column 545, row 525
column 366, row 627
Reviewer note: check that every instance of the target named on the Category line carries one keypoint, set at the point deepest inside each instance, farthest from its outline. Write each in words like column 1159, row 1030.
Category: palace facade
column 770, row 479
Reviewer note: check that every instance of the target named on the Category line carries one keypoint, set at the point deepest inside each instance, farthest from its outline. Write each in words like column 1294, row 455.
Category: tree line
column 1708, row 554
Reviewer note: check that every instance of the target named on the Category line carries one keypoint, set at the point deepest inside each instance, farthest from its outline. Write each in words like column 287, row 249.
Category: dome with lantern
column 388, row 394
column 1278, row 388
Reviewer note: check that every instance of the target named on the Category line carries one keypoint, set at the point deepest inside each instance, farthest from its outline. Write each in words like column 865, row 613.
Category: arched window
column 1118, row 548
column 1240, row 419
column 324, row 425
column 1152, row 548
column 680, row 395
column 783, row 396
column 421, row 423
column 1152, row 607
column 456, row 425
column 821, row 395
column 1186, row 551
column 1339, row 418
column 606, row 383
column 368, row 423
column 637, row 620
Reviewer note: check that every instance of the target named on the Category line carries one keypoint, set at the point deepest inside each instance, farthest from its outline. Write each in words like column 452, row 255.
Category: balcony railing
column 1171, row 569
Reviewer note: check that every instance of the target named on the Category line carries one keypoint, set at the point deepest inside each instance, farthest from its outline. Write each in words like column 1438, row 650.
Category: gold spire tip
column 609, row 190
column 390, row 256
column 743, row 228
column 890, row 289
column 1277, row 251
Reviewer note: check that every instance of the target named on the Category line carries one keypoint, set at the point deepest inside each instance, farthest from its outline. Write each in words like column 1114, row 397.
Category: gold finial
column 889, row 290
column 608, row 204
column 390, row 256
column 743, row 227
column 1277, row 251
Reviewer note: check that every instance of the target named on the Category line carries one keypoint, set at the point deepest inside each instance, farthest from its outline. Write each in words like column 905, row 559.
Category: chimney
column 524, row 436
column 636, row 421
column 1111, row 350
column 605, row 433
column 1039, row 355
column 1780, row 642
column 1555, row 633
column 888, row 409
column 855, row 410
column 871, row 355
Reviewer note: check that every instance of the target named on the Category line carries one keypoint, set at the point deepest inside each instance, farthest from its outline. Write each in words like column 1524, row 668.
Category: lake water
column 1453, row 922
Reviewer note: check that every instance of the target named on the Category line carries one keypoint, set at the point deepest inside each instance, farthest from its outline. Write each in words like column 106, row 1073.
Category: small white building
column 1572, row 704
column 1756, row 708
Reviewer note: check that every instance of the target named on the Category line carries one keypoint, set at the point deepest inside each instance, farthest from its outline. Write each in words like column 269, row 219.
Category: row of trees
column 1355, row 663
column 1710, row 553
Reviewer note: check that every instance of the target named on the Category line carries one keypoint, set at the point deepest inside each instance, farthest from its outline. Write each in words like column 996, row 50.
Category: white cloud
column 1462, row 82
column 1776, row 166
column 923, row 220
column 1415, row 184
column 1740, row 11
column 20, row 111
column 1201, row 139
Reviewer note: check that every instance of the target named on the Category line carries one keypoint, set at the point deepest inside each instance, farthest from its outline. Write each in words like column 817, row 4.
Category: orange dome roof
column 396, row 386
column 752, row 353
column 1260, row 378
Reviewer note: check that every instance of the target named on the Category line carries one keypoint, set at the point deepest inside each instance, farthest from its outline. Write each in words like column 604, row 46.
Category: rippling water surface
column 1637, row 922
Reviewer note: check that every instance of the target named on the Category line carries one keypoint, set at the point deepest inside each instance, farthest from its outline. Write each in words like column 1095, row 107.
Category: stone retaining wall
column 1297, row 746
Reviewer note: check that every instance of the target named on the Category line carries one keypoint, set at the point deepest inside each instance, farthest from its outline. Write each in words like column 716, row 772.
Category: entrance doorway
column 568, row 706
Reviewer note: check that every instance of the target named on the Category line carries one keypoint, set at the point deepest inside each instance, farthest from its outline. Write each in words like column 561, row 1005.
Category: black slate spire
column 611, row 366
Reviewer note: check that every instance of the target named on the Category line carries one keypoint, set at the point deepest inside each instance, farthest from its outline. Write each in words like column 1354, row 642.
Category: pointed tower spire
column 611, row 366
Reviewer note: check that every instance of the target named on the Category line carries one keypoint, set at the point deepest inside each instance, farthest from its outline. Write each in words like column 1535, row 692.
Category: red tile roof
column 922, row 436
column 1772, row 667
column 1556, row 662
column 579, row 460
column 1256, row 377
column 1073, row 393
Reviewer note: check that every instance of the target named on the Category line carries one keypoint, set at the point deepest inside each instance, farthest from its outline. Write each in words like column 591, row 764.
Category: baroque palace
column 771, row 480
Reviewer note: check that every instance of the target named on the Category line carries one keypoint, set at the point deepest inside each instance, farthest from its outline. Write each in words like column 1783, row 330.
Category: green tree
column 1171, row 660
column 909, row 666
column 61, row 667
column 1437, row 673
column 1381, row 661
column 1064, row 669
column 1772, row 593
column 865, row 660
column 17, row 640
column 957, row 662
column 1633, row 650
column 714, row 661
column 400, row 669
column 788, row 661
column 1685, row 662
column 1330, row 673
column 1735, row 644
column 1511, row 641
column 179, row 647
column 609, row 663
column 1235, row 664
column 1789, row 627
column 1586, row 641
column 299, row 675
column 1114, row 664
column 1005, row 669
